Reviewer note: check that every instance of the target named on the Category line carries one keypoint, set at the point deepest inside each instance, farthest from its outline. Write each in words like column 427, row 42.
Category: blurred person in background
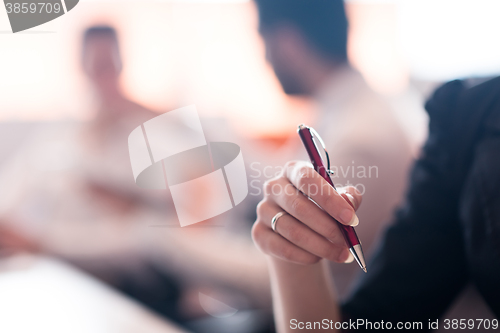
column 306, row 44
column 71, row 194
column 102, row 65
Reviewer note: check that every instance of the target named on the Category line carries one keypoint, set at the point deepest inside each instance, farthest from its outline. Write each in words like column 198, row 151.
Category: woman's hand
column 307, row 233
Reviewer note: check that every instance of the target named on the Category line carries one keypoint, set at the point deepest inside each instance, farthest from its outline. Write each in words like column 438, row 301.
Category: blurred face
column 101, row 62
column 283, row 53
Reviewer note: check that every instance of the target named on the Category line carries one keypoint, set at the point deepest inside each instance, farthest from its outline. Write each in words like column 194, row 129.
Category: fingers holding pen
column 281, row 192
column 308, row 181
column 299, row 242
column 309, row 231
column 273, row 244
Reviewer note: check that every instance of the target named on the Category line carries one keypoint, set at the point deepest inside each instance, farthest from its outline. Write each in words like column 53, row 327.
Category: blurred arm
column 302, row 294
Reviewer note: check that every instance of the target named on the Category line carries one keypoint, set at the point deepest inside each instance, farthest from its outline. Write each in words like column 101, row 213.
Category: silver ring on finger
column 275, row 220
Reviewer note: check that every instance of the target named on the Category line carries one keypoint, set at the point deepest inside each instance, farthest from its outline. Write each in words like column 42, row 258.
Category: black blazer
column 447, row 233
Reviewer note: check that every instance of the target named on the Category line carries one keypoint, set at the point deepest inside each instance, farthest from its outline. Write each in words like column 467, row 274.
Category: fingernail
column 345, row 256
column 347, row 216
column 350, row 258
column 351, row 199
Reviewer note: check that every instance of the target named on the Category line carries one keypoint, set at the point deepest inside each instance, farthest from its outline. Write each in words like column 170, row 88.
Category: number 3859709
column 40, row 7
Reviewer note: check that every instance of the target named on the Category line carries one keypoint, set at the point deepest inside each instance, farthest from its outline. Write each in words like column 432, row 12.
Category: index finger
column 309, row 182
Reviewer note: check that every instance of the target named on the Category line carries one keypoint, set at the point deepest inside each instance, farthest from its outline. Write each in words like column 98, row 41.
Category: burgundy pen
column 352, row 240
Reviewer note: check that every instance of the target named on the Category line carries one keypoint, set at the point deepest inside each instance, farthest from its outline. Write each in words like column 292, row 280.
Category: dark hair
column 100, row 31
column 322, row 22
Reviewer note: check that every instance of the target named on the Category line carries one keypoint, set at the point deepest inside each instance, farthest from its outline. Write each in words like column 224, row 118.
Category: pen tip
column 364, row 269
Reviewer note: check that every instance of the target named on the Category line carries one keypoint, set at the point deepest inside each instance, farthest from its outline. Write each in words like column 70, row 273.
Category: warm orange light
column 180, row 53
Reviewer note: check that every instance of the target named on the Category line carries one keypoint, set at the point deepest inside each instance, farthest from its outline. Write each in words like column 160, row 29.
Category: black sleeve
column 480, row 212
column 420, row 266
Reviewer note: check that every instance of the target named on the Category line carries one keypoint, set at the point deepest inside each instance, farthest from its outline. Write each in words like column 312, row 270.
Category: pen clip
column 315, row 134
